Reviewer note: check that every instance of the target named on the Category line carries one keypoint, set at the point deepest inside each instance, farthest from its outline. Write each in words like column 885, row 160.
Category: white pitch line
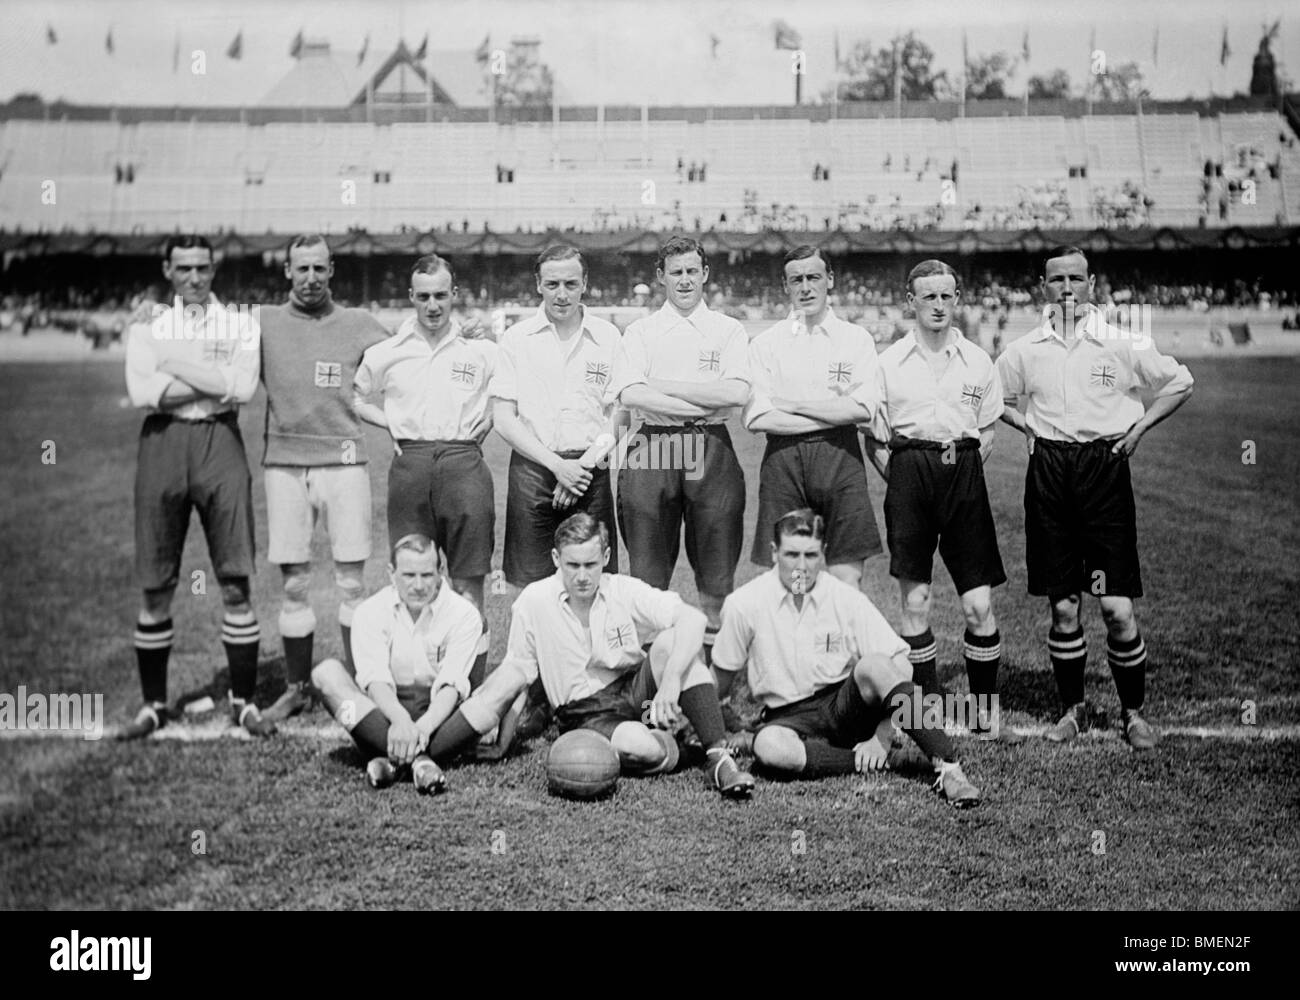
column 332, row 733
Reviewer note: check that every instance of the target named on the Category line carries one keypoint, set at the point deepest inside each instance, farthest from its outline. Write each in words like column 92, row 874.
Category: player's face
column 416, row 577
column 1066, row 282
column 190, row 271
column 310, row 269
column 561, row 285
column 934, row 298
column 807, row 284
column 798, row 560
column 431, row 294
column 683, row 278
column 581, row 567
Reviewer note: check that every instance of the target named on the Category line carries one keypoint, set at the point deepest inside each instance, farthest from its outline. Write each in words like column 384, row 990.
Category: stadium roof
column 324, row 78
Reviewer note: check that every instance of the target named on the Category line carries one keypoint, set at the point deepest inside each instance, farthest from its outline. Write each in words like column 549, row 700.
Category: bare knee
column 1118, row 615
column 296, row 585
column 235, row 593
column 1065, row 613
column 349, row 578
column 331, row 678
column 157, row 605
column 780, row 749
column 636, row 745
column 876, row 675
column 850, row 573
column 916, row 605
column 977, row 608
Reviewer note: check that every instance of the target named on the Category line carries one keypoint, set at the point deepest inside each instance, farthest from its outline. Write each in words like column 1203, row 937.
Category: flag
column 295, row 46
column 176, row 52
column 1224, row 51
column 236, row 49
column 50, row 36
column 1024, row 46
column 365, row 47
column 786, row 36
column 108, row 42
column 484, row 51
column 837, row 50
column 423, row 50
column 1155, row 47
column 714, row 42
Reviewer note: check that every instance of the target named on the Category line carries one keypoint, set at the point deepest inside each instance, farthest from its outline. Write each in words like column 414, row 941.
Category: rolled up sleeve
column 760, row 385
column 370, row 645
column 462, row 648
column 145, row 384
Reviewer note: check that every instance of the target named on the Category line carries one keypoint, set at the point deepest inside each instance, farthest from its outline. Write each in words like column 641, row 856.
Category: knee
column 1118, row 615
column 329, row 676
column 637, row 746
column 978, row 610
column 1065, row 613
column 916, row 601
column 296, row 585
column 779, row 749
column 235, row 593
column 350, row 580
column 876, row 675
column 157, row 604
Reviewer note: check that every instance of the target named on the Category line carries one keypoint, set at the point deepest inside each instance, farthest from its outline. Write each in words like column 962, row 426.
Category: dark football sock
column 1128, row 665
column 451, row 737
column 710, row 636
column 700, row 705
column 347, row 650
column 932, row 740
column 824, row 760
column 153, row 647
column 983, row 653
column 371, row 734
column 240, row 635
column 1069, row 653
column 923, row 654
column 478, row 670
column 297, row 657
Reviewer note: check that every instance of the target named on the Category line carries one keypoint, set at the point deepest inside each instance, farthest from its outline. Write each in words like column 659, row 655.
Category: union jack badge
column 597, row 373
column 464, row 372
column 329, row 375
column 710, row 361
column 840, row 371
column 1104, row 374
column 830, row 642
column 972, row 395
column 618, row 635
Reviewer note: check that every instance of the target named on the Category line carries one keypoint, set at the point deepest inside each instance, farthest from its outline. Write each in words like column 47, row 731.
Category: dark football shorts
column 443, row 489
column 531, row 520
column 620, row 701
column 185, row 464
column 836, row 714
column 932, row 502
column 654, row 501
column 822, row 470
column 1080, row 521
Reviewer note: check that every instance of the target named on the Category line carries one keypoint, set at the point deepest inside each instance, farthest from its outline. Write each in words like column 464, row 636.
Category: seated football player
column 833, row 677
column 413, row 644
column 583, row 630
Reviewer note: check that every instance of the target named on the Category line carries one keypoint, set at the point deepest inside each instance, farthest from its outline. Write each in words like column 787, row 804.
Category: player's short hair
column 677, row 246
column 561, row 251
column 307, row 240
column 804, row 251
column 929, row 269
column 417, row 543
column 1064, row 251
column 431, row 263
column 804, row 522
column 580, row 529
column 186, row 241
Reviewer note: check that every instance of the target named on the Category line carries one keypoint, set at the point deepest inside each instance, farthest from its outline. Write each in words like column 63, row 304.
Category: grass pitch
column 1206, row 821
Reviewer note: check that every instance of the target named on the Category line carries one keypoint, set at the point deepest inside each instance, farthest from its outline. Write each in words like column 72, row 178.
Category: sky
column 618, row 51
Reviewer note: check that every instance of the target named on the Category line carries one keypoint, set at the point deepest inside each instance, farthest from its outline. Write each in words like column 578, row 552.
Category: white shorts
column 296, row 496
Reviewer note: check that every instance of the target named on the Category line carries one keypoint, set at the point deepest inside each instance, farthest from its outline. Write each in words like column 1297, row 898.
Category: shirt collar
column 432, row 608
column 815, row 594
column 298, row 310
column 799, row 325
column 540, row 322
column 410, row 328
column 695, row 317
column 956, row 345
column 562, row 595
column 1088, row 328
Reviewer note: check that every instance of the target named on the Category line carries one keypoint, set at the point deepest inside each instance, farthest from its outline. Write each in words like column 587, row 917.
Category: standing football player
column 315, row 456
column 434, row 383
column 832, row 676
column 414, row 643
column 190, row 369
column 583, row 632
column 551, row 404
column 1083, row 380
column 683, row 370
column 940, row 400
column 814, row 380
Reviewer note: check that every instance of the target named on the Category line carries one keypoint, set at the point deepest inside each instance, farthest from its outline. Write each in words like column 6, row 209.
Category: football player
column 1084, row 419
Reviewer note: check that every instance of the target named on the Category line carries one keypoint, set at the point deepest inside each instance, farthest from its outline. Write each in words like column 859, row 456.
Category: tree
column 986, row 76
column 1055, row 86
column 868, row 75
column 1120, row 83
column 526, row 82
